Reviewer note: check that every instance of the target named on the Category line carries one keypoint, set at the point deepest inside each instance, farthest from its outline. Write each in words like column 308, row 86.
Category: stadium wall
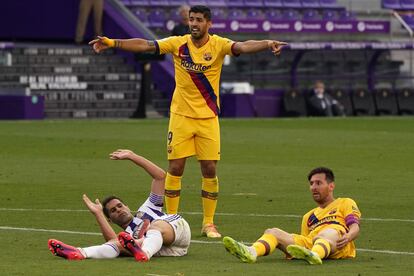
column 47, row 20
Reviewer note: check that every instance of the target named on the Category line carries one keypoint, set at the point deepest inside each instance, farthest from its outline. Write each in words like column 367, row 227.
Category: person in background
column 85, row 8
column 182, row 28
column 323, row 104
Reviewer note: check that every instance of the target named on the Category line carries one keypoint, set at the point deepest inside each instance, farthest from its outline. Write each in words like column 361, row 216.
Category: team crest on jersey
column 207, row 56
column 332, row 212
column 169, row 149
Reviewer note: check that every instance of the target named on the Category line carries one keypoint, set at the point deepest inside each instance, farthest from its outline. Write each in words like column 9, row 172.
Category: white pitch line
column 192, row 241
column 49, row 230
column 200, row 213
column 385, row 251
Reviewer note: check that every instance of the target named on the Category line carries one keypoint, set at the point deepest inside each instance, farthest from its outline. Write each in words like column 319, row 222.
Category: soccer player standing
column 328, row 231
column 194, row 126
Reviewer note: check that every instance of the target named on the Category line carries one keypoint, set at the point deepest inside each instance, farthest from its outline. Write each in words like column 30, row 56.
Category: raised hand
column 102, row 43
column 121, row 154
column 94, row 207
column 276, row 46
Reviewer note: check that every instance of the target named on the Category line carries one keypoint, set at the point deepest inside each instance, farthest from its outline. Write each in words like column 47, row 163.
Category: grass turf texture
column 50, row 164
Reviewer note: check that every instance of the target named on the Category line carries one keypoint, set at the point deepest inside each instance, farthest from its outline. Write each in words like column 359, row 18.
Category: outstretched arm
column 254, row 46
column 138, row 45
column 97, row 211
column 157, row 174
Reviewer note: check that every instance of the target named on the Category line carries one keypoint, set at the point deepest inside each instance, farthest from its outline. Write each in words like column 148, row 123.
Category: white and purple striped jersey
column 151, row 210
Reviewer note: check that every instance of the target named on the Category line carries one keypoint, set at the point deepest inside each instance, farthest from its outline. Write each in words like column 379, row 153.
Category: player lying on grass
column 149, row 232
column 328, row 231
column 194, row 128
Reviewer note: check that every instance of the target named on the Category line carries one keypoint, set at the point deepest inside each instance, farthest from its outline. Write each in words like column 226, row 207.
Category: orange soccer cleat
column 129, row 243
column 60, row 249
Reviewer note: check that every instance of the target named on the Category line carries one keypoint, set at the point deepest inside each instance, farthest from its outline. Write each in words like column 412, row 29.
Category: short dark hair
column 106, row 200
column 329, row 175
column 201, row 9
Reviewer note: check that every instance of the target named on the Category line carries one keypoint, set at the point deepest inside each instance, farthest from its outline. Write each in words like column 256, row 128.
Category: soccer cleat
column 129, row 243
column 302, row 253
column 60, row 249
column 210, row 231
column 239, row 250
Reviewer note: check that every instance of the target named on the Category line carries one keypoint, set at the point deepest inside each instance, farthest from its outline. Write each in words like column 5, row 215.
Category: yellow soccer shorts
column 307, row 241
column 189, row 136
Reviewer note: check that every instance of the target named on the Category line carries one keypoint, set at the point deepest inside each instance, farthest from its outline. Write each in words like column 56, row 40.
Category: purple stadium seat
column 255, row 14
column 142, row 15
column 218, row 14
column 328, row 4
column 273, row 3
column 235, row 3
column 310, row 3
column 236, row 14
column 197, row 2
column 347, row 15
column 329, row 14
column 272, row 14
column 217, row 3
column 157, row 18
column 126, row 2
column 175, row 15
column 178, row 2
column 159, row 3
column 311, row 15
column 409, row 20
column 292, row 3
column 391, row 4
column 407, row 4
column 253, row 3
column 291, row 14
column 139, row 2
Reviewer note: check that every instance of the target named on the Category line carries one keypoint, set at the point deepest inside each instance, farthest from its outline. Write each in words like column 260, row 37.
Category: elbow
column 160, row 175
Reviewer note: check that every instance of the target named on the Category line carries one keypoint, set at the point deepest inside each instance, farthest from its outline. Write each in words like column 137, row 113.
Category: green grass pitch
column 45, row 167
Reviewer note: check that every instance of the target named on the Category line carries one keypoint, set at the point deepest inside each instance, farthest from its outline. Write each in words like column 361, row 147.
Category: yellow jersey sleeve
column 166, row 45
column 351, row 212
column 226, row 46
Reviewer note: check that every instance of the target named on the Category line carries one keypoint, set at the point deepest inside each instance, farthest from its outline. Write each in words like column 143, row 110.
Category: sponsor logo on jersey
column 207, row 56
column 195, row 67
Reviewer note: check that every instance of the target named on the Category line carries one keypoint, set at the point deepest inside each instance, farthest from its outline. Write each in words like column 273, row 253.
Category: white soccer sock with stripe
column 152, row 242
column 107, row 250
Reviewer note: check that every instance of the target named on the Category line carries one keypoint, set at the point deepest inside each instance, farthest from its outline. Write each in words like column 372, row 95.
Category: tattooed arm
column 138, row 45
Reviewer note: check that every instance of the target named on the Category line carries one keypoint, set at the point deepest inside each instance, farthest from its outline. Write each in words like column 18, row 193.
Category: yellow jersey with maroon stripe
column 197, row 73
column 340, row 214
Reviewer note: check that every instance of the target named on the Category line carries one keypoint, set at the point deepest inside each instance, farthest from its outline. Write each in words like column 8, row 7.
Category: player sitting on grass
column 328, row 231
column 147, row 233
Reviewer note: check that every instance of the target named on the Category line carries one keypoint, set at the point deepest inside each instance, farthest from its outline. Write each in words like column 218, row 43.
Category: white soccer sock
column 152, row 242
column 107, row 250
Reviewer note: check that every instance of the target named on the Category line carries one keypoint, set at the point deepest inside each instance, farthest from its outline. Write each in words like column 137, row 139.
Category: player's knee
column 176, row 169
column 208, row 168
column 282, row 236
column 273, row 231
